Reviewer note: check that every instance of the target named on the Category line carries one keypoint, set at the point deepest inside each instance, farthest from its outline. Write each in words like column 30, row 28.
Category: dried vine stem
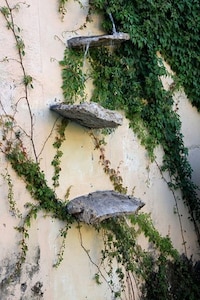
column 48, row 137
column 113, row 174
column 27, row 79
column 91, row 260
column 131, row 291
column 177, row 208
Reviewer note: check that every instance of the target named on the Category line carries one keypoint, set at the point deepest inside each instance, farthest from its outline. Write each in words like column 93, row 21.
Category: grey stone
column 98, row 40
column 98, row 206
column 90, row 115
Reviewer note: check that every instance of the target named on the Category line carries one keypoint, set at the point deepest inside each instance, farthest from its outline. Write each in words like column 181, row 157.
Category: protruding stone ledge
column 98, row 40
column 98, row 206
column 90, row 115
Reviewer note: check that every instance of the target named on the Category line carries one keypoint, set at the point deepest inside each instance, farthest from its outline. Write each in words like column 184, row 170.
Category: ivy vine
column 128, row 79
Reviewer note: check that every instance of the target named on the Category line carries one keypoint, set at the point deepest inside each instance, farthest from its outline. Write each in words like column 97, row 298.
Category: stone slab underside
column 97, row 41
column 98, row 206
column 90, row 115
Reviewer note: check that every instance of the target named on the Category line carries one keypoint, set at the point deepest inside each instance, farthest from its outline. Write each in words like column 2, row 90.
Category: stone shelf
column 90, row 115
column 98, row 206
column 98, row 40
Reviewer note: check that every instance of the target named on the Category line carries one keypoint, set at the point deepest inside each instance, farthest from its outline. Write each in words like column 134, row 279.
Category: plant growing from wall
column 27, row 168
column 57, row 158
column 61, row 8
column 135, row 264
column 127, row 77
column 114, row 175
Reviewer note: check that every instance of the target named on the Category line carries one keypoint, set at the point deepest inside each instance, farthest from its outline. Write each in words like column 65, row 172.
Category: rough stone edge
column 111, row 118
column 83, row 207
column 98, row 40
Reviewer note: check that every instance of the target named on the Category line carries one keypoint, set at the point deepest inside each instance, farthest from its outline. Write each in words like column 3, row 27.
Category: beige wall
column 45, row 36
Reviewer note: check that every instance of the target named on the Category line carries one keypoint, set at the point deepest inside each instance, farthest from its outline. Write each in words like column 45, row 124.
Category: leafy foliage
column 161, row 273
column 57, row 158
column 177, row 279
column 169, row 27
column 73, row 76
column 129, row 78
column 36, row 183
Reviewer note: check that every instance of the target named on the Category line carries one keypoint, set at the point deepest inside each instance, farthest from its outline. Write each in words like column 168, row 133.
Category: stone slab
column 90, row 115
column 98, row 206
column 98, row 40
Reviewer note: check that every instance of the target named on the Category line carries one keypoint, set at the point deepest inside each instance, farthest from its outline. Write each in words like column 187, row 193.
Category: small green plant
column 97, row 279
column 57, row 145
column 63, row 234
column 12, row 203
column 28, row 81
column 61, row 8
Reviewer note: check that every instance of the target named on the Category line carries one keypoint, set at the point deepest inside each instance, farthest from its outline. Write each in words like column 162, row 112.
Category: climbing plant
column 171, row 28
column 163, row 275
column 160, row 262
column 128, row 79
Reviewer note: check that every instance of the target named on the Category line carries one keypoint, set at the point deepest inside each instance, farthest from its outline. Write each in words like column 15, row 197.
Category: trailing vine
column 176, row 209
column 7, row 12
column 57, row 158
column 128, row 79
column 150, row 108
column 113, row 174
column 72, row 71
column 27, row 168
column 36, row 183
column 12, row 203
column 122, row 244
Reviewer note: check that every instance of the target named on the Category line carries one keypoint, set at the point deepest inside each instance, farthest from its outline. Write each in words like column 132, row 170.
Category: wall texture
column 45, row 35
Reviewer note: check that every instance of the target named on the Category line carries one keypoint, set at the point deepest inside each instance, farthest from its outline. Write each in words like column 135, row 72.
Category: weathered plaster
column 81, row 170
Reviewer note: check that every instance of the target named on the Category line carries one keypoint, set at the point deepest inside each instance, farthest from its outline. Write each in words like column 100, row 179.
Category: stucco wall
column 45, row 36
